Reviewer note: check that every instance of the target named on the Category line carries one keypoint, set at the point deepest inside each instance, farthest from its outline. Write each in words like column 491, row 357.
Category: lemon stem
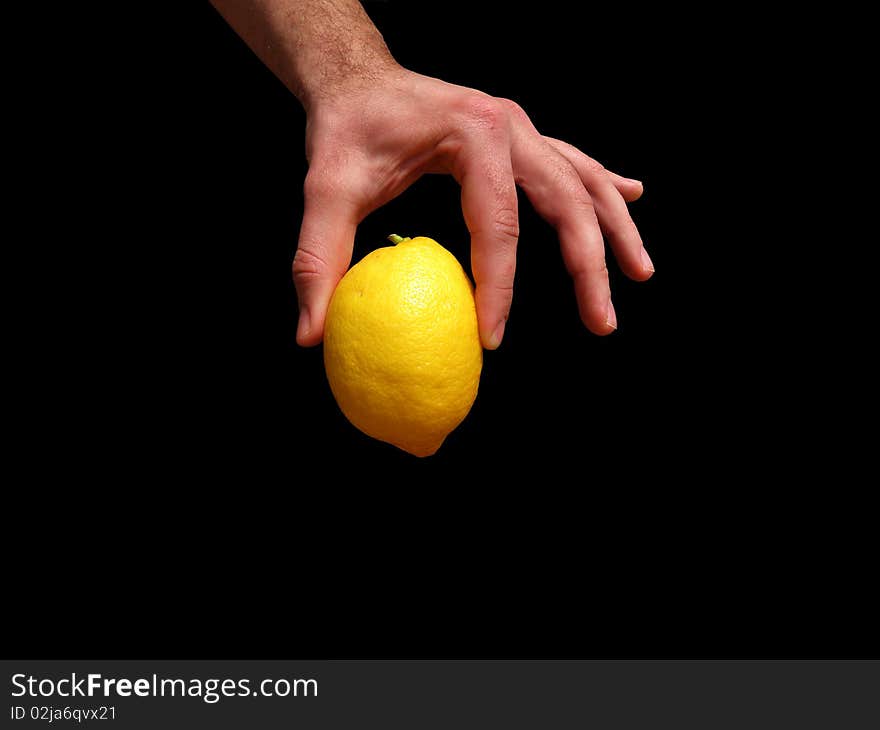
column 395, row 239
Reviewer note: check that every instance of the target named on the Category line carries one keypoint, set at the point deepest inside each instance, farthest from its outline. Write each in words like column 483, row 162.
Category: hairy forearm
column 316, row 47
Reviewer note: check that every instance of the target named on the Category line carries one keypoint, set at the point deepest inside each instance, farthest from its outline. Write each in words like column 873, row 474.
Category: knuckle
column 590, row 270
column 505, row 272
column 512, row 107
column 506, row 225
column 486, row 112
column 588, row 266
column 596, row 268
column 309, row 263
column 497, row 285
column 571, row 206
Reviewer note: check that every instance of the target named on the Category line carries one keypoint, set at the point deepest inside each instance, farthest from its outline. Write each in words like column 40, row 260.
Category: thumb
column 326, row 240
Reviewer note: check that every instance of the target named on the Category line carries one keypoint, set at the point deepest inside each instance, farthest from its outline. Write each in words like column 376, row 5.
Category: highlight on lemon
column 401, row 346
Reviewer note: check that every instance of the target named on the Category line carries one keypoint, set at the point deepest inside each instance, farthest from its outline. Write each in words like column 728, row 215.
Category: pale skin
column 332, row 57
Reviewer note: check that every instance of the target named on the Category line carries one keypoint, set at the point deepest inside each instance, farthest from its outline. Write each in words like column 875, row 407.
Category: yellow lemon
column 401, row 346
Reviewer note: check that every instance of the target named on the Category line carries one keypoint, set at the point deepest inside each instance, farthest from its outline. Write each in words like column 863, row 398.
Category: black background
column 191, row 489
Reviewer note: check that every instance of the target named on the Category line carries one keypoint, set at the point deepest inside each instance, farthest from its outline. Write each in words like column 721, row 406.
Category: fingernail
column 611, row 316
column 304, row 325
column 637, row 182
column 497, row 335
column 646, row 260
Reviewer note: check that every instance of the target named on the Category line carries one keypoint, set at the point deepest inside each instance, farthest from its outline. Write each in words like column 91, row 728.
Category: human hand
column 369, row 140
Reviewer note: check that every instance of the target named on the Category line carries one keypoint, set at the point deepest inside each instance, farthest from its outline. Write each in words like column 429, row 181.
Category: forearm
column 316, row 47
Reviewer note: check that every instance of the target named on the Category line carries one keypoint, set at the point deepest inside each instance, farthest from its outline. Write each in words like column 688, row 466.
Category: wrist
column 337, row 80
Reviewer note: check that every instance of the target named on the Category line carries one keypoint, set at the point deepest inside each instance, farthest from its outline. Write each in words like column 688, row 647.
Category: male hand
column 367, row 142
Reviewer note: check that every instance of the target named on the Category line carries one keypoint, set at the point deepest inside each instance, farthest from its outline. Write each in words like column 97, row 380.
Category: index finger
column 489, row 205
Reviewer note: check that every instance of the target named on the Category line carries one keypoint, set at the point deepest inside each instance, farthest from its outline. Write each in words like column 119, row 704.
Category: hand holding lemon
column 373, row 128
column 374, row 137
column 403, row 329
